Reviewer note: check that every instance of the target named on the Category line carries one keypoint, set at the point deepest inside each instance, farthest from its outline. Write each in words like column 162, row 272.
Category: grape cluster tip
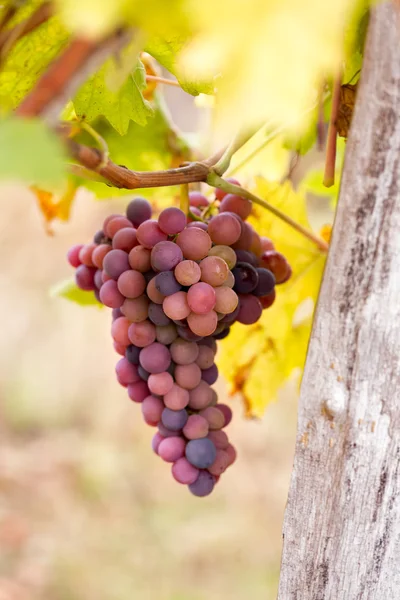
column 175, row 286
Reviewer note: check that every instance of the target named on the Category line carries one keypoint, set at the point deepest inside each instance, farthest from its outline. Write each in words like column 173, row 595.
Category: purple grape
column 149, row 275
column 157, row 315
column 143, row 374
column 228, row 319
column 164, row 431
column 115, row 263
column 204, row 484
column 198, row 224
column 250, row 309
column 116, row 313
column 222, row 334
column 174, row 420
column 201, row 453
column 155, row 358
column 149, row 234
column 172, row 220
column 99, row 237
column 246, row 278
column 98, row 279
column 247, row 257
column 197, row 199
column 210, row 375
column 266, row 282
column 132, row 354
column 110, row 295
column 165, row 256
column 166, row 283
column 84, row 277
column 184, row 472
column 187, row 334
column 138, row 211
column 210, row 342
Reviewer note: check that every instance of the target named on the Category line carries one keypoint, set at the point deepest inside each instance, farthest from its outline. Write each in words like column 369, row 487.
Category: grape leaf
column 167, row 52
column 29, row 58
column 29, row 151
column 120, row 106
column 69, row 290
column 257, row 360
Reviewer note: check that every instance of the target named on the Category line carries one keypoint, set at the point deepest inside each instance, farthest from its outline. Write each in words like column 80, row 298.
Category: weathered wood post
column 342, row 522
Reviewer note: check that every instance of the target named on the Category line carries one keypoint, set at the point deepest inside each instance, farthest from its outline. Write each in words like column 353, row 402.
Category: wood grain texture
column 342, row 522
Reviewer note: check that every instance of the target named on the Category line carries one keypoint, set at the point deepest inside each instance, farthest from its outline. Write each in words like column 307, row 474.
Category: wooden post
column 342, row 522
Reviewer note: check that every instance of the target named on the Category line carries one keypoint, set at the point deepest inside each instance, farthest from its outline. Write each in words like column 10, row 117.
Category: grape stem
column 330, row 158
column 163, row 80
column 238, row 141
column 216, row 181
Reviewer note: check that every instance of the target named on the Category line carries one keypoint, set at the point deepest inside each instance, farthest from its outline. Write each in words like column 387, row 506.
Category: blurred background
column 87, row 511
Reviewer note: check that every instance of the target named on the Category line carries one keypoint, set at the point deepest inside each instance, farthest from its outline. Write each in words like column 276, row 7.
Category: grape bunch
column 176, row 285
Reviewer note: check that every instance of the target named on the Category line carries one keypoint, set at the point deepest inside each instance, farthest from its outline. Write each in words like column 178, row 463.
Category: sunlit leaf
column 55, row 206
column 69, row 290
column 30, row 152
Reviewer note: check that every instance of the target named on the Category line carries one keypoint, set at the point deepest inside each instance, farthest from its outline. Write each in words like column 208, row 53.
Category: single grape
column 110, row 295
column 183, row 352
column 172, row 220
column 229, row 281
column 187, row 272
column 115, row 225
column 184, row 472
column 204, row 484
column 231, row 317
column 86, row 255
column 166, row 334
column 222, row 334
column 140, row 259
column 177, row 398
column 247, row 257
column 256, row 247
column 138, row 211
column 99, row 253
column 196, row 427
column 226, row 411
column 220, row 194
column 210, row 343
column 142, row 334
column 250, row 309
column 99, row 237
column 214, row 270
column 176, row 306
column 157, row 315
column 136, row 309
column 236, row 204
column 125, row 239
column 149, row 234
column 116, row 313
column 226, row 253
column 153, row 293
column 132, row 354
column 246, row 278
column 205, row 358
column 172, row 449
column 115, row 263
column 224, row 229
column 198, row 224
column 98, row 280
column 126, row 372
column 84, row 277
column 219, row 439
column 201, row 396
column 165, row 256
column 210, row 375
column 268, row 300
column 131, row 284
column 266, row 244
column 155, row 358
column 266, row 283
column 119, row 348
column 220, row 464
column 188, row 376
column 108, row 219
column 138, row 391
column 214, row 417
column 201, row 453
column 174, row 420
column 144, row 375
column 246, row 238
column 152, row 410
column 230, row 450
column 203, row 325
column 226, row 300
column 277, row 264
column 197, row 199
column 201, row 298
column 194, row 243
column 166, row 283
column 165, row 432
column 156, row 441
column 119, row 331
column 160, row 383
column 73, row 255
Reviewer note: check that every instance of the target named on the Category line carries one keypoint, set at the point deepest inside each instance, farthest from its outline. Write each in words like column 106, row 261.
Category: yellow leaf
column 258, row 359
column 54, row 206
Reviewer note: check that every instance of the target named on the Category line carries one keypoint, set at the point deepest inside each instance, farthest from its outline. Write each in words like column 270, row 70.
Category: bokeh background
column 87, row 511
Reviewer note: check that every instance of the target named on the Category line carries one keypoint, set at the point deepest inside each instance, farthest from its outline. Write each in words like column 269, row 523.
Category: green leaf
column 69, row 290
column 167, row 51
column 31, row 152
column 120, row 105
column 29, row 58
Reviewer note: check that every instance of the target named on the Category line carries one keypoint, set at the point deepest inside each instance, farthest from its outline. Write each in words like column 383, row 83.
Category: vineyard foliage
column 265, row 65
